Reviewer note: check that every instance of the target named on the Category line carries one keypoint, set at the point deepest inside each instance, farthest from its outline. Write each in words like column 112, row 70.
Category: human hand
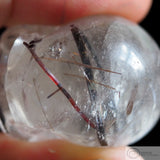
column 58, row 12
column 62, row 11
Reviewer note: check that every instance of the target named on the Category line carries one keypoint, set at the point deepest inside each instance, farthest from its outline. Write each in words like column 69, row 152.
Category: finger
column 57, row 150
column 62, row 11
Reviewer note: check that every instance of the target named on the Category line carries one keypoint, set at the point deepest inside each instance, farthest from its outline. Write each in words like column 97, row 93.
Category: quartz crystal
column 94, row 82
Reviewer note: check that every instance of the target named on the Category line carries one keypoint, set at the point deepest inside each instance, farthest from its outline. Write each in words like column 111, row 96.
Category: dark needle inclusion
column 81, row 42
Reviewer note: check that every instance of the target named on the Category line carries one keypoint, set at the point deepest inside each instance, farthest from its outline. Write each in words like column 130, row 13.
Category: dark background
column 152, row 24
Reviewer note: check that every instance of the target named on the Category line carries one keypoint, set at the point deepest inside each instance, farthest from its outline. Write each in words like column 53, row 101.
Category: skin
column 60, row 12
column 60, row 150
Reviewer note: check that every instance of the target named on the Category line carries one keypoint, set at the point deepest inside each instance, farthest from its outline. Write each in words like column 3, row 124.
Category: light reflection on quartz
column 131, row 58
column 153, row 96
column 18, row 41
column 135, row 62
column 18, row 109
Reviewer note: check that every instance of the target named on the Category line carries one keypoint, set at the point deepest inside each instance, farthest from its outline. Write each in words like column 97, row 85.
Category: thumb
column 59, row 150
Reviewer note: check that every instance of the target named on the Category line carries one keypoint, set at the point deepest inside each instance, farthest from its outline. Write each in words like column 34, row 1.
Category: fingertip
column 60, row 150
column 137, row 11
column 134, row 10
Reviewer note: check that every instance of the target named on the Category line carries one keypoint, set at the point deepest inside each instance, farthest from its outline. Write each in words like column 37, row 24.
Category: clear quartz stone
column 108, row 66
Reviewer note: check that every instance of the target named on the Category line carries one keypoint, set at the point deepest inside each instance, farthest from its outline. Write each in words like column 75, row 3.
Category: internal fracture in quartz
column 93, row 82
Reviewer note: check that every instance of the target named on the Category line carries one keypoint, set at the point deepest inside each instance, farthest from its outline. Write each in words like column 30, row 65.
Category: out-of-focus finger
column 62, row 11
column 59, row 150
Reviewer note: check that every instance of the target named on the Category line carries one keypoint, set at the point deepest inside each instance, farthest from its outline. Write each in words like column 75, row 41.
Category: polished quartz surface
column 107, row 66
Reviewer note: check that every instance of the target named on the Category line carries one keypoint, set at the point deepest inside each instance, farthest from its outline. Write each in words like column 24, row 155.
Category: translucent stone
column 103, row 89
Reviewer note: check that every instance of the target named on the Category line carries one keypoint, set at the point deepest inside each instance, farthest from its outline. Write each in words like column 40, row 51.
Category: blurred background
column 152, row 25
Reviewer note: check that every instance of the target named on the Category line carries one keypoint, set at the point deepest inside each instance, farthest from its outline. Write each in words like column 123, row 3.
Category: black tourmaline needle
column 85, row 60
column 83, row 45
column 2, row 121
